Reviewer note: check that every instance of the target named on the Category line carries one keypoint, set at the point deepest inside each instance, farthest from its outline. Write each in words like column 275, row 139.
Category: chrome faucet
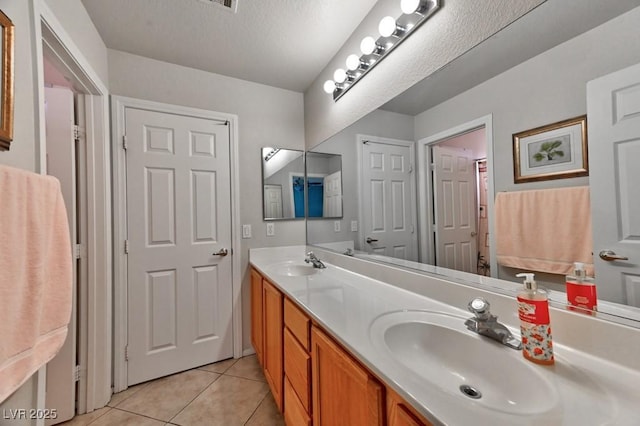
column 486, row 324
column 311, row 258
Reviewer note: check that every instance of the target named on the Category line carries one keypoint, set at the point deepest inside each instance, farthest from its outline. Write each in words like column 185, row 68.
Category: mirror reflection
column 398, row 191
column 282, row 184
column 324, row 185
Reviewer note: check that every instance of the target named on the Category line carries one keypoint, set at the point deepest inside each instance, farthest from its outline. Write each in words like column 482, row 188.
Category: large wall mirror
column 283, row 184
column 532, row 73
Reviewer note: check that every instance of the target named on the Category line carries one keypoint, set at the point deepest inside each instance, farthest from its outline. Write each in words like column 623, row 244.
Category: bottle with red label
column 581, row 291
column 535, row 328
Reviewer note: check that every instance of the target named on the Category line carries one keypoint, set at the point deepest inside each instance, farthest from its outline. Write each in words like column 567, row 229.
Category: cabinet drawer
column 294, row 412
column 298, row 323
column 297, row 368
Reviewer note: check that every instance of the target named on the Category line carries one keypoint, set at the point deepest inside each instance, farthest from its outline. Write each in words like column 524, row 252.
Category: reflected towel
column 35, row 275
column 544, row 230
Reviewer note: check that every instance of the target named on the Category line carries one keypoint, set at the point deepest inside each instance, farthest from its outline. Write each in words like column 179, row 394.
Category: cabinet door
column 344, row 393
column 256, row 313
column 400, row 414
column 272, row 343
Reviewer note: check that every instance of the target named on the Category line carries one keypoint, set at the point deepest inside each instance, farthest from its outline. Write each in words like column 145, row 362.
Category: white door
column 179, row 227
column 61, row 163
column 454, row 192
column 613, row 106
column 332, row 195
column 389, row 200
column 273, row 201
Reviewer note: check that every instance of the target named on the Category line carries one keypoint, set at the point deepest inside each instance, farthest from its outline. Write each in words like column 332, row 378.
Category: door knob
column 610, row 256
column 474, row 233
column 370, row 240
column 221, row 252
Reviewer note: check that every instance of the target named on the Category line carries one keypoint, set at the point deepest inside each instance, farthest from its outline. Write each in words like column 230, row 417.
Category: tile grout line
column 141, row 415
column 195, row 397
column 256, row 409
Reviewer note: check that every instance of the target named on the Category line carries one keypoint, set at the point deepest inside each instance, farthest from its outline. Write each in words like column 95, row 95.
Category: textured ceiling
column 281, row 43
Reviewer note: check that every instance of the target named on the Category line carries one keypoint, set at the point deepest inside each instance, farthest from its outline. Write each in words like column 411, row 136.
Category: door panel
column 61, row 163
column 389, row 200
column 613, row 107
column 178, row 216
column 454, row 192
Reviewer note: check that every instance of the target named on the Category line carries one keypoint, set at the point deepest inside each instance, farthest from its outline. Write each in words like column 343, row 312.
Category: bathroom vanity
column 339, row 347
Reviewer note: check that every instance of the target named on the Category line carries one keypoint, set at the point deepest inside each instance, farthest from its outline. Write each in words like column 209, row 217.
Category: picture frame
column 6, row 81
column 554, row 151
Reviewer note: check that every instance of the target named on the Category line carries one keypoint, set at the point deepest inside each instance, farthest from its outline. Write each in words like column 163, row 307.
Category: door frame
column 94, row 386
column 118, row 105
column 360, row 139
column 426, row 216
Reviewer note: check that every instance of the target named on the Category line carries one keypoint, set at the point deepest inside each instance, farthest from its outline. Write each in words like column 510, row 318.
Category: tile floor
column 227, row 393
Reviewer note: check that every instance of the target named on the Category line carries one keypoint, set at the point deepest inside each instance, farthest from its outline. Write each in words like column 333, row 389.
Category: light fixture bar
column 375, row 50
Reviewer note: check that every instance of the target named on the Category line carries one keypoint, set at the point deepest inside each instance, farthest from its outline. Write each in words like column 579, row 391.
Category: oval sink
column 441, row 351
column 293, row 269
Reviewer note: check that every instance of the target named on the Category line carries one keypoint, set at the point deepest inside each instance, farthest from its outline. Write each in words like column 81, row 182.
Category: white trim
column 96, row 348
column 424, row 187
column 118, row 105
column 360, row 138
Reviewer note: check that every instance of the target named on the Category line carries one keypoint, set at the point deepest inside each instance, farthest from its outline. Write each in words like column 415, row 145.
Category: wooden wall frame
column 6, row 85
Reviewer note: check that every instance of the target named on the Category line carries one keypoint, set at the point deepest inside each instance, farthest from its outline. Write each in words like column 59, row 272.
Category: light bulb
column 353, row 62
column 387, row 26
column 409, row 6
column 368, row 45
column 329, row 86
column 340, row 75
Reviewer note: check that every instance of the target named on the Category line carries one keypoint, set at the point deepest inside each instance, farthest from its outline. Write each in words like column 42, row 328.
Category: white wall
column 25, row 146
column 457, row 27
column 268, row 116
column 545, row 89
column 379, row 123
column 76, row 22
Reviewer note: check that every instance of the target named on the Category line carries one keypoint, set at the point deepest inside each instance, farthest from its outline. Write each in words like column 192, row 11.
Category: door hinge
column 76, row 373
column 126, row 353
column 77, row 251
column 76, row 132
column 126, row 246
column 124, row 142
column 432, row 166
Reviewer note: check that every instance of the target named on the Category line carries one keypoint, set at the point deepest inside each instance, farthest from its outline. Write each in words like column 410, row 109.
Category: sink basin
column 437, row 349
column 293, row 269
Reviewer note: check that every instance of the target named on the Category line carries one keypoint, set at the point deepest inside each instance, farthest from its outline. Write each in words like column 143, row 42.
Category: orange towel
column 35, row 275
column 544, row 230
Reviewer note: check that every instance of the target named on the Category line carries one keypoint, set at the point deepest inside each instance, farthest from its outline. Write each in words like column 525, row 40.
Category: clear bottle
column 581, row 291
column 535, row 328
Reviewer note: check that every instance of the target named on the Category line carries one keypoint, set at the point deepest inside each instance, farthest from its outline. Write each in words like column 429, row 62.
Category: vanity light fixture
column 271, row 153
column 392, row 33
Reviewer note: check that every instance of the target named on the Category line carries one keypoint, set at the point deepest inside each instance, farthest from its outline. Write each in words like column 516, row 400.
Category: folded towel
column 35, row 275
column 544, row 230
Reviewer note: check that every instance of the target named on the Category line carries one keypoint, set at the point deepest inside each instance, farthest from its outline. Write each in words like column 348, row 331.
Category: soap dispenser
column 581, row 290
column 533, row 310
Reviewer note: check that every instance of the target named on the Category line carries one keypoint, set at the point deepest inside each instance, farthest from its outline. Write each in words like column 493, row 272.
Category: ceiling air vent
column 230, row 5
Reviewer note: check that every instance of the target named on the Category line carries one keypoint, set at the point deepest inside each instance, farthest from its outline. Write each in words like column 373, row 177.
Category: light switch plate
column 354, row 226
column 336, row 226
column 271, row 229
column 246, row 231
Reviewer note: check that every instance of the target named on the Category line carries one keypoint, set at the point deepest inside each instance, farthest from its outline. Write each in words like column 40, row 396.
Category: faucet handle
column 480, row 308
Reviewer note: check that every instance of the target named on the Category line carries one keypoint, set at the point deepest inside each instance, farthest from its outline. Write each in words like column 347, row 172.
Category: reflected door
column 613, row 106
column 178, row 216
column 273, row 201
column 388, row 200
column 454, row 191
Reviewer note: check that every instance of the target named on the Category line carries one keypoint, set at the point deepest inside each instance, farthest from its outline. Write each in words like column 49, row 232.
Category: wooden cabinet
column 256, row 313
column 313, row 379
column 344, row 393
column 401, row 414
column 272, row 340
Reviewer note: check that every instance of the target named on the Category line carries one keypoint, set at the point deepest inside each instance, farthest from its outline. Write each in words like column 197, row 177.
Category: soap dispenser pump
column 533, row 310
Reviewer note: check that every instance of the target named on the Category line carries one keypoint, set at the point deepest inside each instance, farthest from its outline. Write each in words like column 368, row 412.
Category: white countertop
column 586, row 390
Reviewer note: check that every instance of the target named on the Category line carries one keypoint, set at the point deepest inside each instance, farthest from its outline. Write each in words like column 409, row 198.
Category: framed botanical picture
column 554, row 151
